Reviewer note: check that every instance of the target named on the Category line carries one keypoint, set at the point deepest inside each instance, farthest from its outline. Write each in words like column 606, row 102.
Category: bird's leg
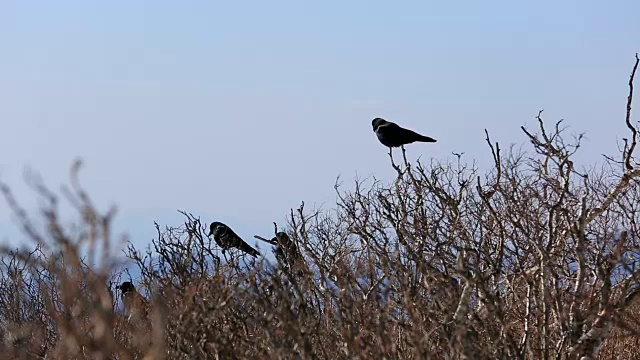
column 393, row 164
column 404, row 156
column 391, row 156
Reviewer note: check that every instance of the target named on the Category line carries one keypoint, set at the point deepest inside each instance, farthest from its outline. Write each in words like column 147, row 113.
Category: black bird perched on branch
column 391, row 135
column 135, row 304
column 286, row 251
column 226, row 238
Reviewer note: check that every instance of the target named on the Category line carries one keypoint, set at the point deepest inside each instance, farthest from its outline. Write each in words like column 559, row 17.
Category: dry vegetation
column 535, row 259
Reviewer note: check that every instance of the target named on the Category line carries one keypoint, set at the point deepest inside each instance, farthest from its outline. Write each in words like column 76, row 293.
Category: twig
column 265, row 240
column 634, row 131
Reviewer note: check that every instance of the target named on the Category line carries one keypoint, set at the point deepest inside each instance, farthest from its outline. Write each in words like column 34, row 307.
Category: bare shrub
column 534, row 259
column 57, row 301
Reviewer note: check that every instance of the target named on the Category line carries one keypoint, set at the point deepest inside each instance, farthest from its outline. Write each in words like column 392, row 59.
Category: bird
column 392, row 135
column 286, row 250
column 134, row 303
column 226, row 239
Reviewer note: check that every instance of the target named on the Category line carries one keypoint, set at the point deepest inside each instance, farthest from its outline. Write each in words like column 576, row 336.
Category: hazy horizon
column 239, row 112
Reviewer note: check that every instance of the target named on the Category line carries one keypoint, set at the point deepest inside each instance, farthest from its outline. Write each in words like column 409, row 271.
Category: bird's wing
column 140, row 301
column 233, row 237
column 133, row 300
column 390, row 127
column 410, row 134
column 277, row 251
column 236, row 241
column 293, row 251
column 247, row 248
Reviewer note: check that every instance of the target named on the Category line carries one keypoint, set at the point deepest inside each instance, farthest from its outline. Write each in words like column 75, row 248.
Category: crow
column 134, row 303
column 286, row 250
column 391, row 135
column 226, row 239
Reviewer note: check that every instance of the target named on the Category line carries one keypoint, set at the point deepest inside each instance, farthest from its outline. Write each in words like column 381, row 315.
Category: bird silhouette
column 226, row 239
column 392, row 135
column 134, row 303
column 286, row 250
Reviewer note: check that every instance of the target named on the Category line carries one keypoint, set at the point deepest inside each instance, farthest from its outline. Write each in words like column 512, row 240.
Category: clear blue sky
column 237, row 111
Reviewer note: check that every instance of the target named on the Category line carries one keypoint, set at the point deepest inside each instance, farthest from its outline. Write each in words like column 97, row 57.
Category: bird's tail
column 249, row 250
column 425, row 139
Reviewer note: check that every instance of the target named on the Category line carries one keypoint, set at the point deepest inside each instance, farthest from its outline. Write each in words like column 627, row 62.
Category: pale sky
column 238, row 111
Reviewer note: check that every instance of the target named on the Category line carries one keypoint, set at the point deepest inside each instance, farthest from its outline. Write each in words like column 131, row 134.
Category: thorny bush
column 534, row 259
